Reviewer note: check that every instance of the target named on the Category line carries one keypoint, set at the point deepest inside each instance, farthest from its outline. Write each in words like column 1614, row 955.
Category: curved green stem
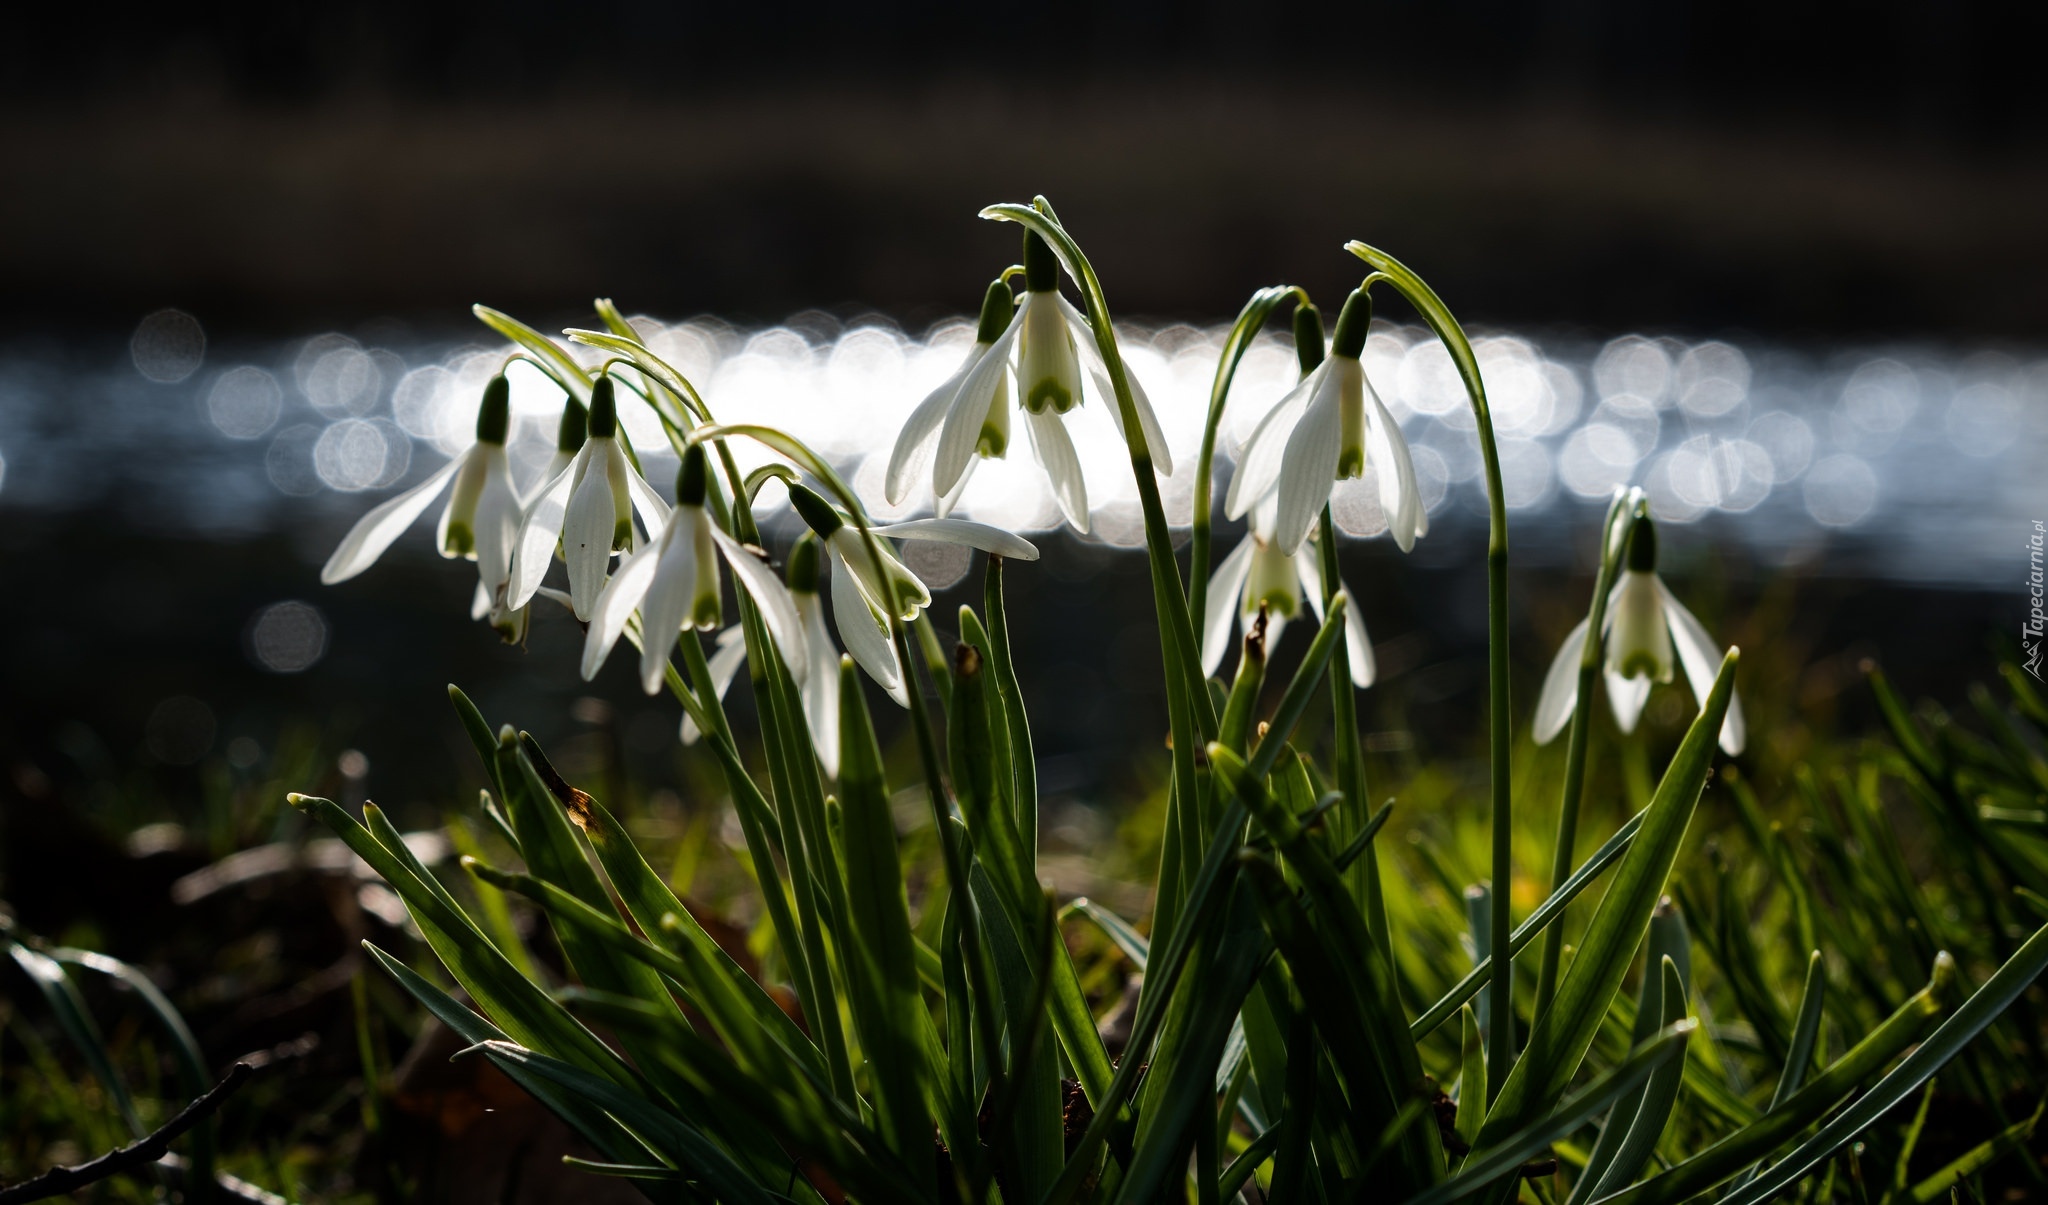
column 1575, row 750
column 1184, row 656
column 1501, row 1036
column 1250, row 321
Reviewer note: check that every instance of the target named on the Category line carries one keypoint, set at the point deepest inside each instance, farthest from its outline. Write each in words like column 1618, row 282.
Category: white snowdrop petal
column 1221, row 603
column 587, row 528
column 861, row 630
column 667, row 602
column 778, row 609
column 653, row 511
column 1307, row 471
column 1626, row 696
column 1701, row 660
column 962, row 531
column 1400, row 498
column 374, row 532
column 1098, row 371
column 535, row 546
column 1258, row 465
column 914, row 442
column 1055, row 452
column 614, row 605
column 961, row 432
column 1560, row 692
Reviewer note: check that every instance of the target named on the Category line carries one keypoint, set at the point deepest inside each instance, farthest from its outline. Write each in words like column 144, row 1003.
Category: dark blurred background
column 1796, row 168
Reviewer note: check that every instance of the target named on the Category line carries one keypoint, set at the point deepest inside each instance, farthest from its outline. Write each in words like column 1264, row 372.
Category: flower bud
column 1308, row 337
column 996, row 308
column 1352, row 324
column 494, row 416
column 815, row 510
column 690, row 478
column 1041, row 267
column 604, row 410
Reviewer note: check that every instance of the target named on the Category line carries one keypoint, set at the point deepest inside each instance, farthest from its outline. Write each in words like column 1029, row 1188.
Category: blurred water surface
column 1900, row 462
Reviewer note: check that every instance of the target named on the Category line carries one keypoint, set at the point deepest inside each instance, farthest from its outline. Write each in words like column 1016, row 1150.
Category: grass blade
column 1980, row 1010
column 1503, row 1157
column 879, row 916
column 1561, row 1037
column 1758, row 1139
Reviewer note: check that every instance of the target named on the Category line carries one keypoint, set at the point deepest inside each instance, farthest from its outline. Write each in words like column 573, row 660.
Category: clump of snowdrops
column 1285, row 1045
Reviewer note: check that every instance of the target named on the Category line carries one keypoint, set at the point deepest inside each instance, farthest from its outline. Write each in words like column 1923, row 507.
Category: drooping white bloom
column 588, row 507
column 673, row 582
column 1045, row 342
column 864, row 599
column 816, row 671
column 1324, row 432
column 479, row 522
column 1258, row 574
column 1643, row 628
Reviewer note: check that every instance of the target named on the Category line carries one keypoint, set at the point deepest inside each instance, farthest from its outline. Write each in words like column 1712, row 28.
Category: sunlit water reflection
column 1898, row 462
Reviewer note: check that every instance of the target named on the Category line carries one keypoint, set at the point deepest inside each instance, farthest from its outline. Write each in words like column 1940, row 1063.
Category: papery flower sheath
column 1323, row 432
column 673, row 582
column 1045, row 343
column 588, row 506
column 479, row 522
column 1257, row 574
column 863, row 599
column 1644, row 626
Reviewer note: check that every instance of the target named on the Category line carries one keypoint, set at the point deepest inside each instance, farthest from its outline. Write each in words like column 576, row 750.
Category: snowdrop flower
column 1644, row 626
column 818, row 673
column 673, row 582
column 479, row 522
column 863, row 600
column 1258, row 574
column 1323, row 432
column 1046, row 343
column 911, row 458
column 588, row 506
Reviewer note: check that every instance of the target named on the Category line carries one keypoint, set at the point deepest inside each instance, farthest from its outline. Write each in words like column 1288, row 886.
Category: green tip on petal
column 815, row 510
column 1041, row 268
column 1642, row 545
column 575, row 422
column 802, row 570
column 691, row 477
column 604, row 410
column 1308, row 337
column 1352, row 323
column 494, row 416
column 996, row 307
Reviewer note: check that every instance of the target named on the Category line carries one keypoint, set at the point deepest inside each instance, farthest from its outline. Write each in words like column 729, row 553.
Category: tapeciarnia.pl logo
column 2037, row 590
